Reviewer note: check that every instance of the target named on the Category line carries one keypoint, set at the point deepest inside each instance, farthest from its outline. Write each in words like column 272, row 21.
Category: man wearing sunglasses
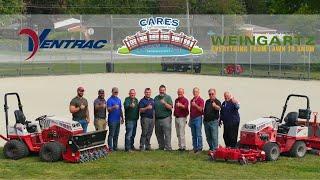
column 211, row 119
column 115, row 117
column 79, row 109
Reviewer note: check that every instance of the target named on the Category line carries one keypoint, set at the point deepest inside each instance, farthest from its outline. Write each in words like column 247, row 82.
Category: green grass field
column 40, row 69
column 160, row 165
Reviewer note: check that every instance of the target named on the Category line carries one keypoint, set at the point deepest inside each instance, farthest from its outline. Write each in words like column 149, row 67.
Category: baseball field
column 258, row 97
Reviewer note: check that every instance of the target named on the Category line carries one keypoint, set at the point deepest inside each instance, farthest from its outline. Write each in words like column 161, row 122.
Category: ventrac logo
column 36, row 42
column 299, row 130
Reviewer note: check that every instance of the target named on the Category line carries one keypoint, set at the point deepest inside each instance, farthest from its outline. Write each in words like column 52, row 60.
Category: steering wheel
column 41, row 118
column 277, row 119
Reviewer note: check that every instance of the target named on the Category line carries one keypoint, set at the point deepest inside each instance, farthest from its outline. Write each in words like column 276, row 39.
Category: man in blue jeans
column 79, row 109
column 115, row 117
column 131, row 112
column 211, row 119
column 195, row 123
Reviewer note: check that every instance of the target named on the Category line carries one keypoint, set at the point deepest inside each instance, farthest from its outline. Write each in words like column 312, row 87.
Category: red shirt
column 181, row 112
column 194, row 112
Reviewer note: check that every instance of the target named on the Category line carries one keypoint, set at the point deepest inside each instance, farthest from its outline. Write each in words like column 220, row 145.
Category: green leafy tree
column 295, row 7
column 9, row 10
column 218, row 7
column 257, row 6
column 11, row 6
column 111, row 6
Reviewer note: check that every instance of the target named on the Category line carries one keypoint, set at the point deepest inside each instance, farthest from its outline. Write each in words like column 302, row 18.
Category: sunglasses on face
column 81, row 91
column 211, row 94
column 115, row 92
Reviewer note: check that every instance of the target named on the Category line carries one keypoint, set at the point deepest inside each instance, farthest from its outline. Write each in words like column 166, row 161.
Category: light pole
column 188, row 16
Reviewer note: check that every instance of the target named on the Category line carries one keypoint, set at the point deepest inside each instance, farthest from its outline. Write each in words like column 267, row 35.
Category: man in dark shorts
column 100, row 106
column 211, row 119
column 79, row 109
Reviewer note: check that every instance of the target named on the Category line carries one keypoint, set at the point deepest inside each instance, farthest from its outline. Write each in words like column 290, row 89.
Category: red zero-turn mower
column 266, row 138
column 57, row 139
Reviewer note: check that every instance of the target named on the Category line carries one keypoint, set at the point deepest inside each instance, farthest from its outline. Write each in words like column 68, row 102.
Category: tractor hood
column 60, row 121
column 260, row 123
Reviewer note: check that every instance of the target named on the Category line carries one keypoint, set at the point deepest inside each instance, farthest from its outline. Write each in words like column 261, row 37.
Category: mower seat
column 21, row 118
column 291, row 119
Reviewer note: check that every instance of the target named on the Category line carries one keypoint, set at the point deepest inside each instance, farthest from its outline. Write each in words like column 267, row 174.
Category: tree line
column 159, row 6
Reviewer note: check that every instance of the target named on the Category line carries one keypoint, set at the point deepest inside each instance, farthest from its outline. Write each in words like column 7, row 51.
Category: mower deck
column 243, row 156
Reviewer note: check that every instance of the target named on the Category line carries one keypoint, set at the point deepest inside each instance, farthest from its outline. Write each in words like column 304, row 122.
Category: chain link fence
column 114, row 28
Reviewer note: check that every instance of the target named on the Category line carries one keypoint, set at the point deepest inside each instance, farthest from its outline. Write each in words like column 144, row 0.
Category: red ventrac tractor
column 266, row 138
column 53, row 139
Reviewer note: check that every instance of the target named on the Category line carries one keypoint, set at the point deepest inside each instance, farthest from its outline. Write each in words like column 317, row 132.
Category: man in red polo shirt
column 181, row 111
column 195, row 123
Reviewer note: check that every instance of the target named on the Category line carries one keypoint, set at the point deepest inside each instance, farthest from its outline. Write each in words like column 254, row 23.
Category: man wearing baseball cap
column 115, row 117
column 100, row 114
column 79, row 109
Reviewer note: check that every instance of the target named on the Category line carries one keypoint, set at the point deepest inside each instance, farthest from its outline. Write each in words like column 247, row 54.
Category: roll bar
column 294, row 95
column 6, row 107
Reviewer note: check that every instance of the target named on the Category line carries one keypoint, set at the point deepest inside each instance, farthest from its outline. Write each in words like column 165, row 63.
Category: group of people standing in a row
column 157, row 113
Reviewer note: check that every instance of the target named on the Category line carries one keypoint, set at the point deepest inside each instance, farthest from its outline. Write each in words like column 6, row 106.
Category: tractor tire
column 298, row 149
column 15, row 149
column 272, row 151
column 51, row 152
column 63, row 148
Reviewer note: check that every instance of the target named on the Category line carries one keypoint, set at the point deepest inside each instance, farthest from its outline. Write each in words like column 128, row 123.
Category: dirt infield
column 51, row 95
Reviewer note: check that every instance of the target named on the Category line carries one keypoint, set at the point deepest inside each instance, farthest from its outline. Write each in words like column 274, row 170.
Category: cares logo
column 36, row 42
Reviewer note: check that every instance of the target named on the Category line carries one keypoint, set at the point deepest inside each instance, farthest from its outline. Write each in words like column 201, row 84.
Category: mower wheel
column 51, row 152
column 298, row 149
column 63, row 149
column 15, row 149
column 272, row 151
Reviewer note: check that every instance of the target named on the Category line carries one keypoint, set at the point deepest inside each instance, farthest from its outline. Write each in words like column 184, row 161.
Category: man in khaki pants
column 181, row 111
column 100, row 122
